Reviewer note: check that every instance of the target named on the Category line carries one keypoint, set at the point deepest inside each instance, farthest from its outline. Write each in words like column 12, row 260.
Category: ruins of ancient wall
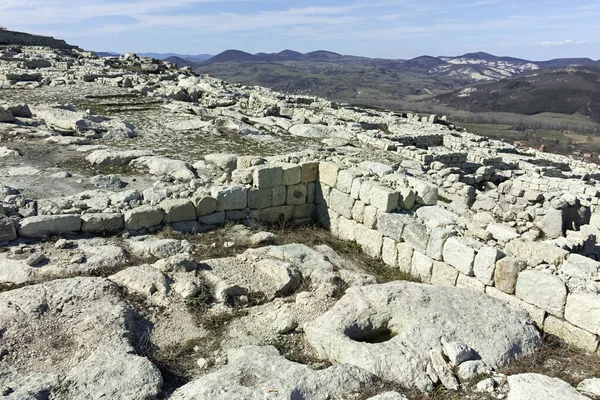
column 424, row 244
column 391, row 216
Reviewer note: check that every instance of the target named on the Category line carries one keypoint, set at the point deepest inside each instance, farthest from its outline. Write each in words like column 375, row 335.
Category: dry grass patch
column 558, row 360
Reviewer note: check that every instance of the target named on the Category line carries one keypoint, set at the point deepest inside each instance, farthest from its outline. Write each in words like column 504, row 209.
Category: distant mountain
column 182, row 62
column 467, row 68
column 567, row 62
column 381, row 81
column 107, row 54
column 232, row 56
column 163, row 56
column 283, row 56
column 565, row 90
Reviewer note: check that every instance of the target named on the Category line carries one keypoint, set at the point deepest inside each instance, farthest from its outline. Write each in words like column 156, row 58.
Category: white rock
column 254, row 372
column 590, row 387
column 542, row 289
column 540, row 387
column 351, row 332
column 460, row 255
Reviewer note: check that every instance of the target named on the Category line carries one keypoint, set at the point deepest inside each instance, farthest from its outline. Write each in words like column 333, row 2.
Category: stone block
column 392, row 224
column 502, row 232
column 267, row 176
column 275, row 215
column 217, row 218
column 469, row 282
column 346, row 229
column 143, row 217
column 459, row 254
column 355, row 189
column 542, row 289
column 425, row 193
column 328, row 173
column 416, row 235
column 322, row 193
column 571, row 334
column 580, row 267
column 370, row 217
column 102, row 222
column 236, row 215
column 365, row 191
column 310, row 171
column 583, row 310
column 311, row 192
column 326, row 217
column 226, row 162
column 177, row 210
column 405, row 256
column 243, row 176
column 552, row 224
column 358, row 211
column 296, row 195
column 389, row 252
column 535, row 253
column 341, row 203
column 437, row 239
column 204, row 204
column 232, row 197
column 407, row 199
column 43, row 225
column 8, row 229
column 278, row 196
column 369, row 240
column 506, row 273
column 292, row 174
column 260, row 198
column 422, row 266
column 346, row 177
column 537, row 314
column 485, row 264
column 443, row 275
column 385, row 199
column 304, row 211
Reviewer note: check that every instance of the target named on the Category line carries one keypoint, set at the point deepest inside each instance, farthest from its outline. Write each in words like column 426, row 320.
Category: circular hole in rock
column 370, row 333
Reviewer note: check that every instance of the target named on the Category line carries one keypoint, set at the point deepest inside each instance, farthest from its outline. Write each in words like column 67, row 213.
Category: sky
column 530, row 29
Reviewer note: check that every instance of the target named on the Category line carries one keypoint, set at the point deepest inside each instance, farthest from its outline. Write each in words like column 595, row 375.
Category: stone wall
column 268, row 193
column 545, row 280
column 391, row 216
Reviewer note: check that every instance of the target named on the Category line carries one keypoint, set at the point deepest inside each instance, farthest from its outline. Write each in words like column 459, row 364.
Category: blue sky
column 531, row 29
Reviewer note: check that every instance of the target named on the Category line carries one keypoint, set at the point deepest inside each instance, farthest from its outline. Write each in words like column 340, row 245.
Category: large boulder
column 84, row 351
column 257, row 373
column 541, row 387
column 391, row 329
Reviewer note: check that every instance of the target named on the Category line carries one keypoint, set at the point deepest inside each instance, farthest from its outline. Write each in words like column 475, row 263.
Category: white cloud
column 561, row 43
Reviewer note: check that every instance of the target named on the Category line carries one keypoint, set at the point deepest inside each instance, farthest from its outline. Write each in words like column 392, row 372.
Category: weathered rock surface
column 413, row 318
column 260, row 372
column 86, row 349
column 540, row 387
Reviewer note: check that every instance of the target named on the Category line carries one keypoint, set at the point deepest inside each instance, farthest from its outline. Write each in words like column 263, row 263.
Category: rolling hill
column 364, row 80
column 565, row 90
